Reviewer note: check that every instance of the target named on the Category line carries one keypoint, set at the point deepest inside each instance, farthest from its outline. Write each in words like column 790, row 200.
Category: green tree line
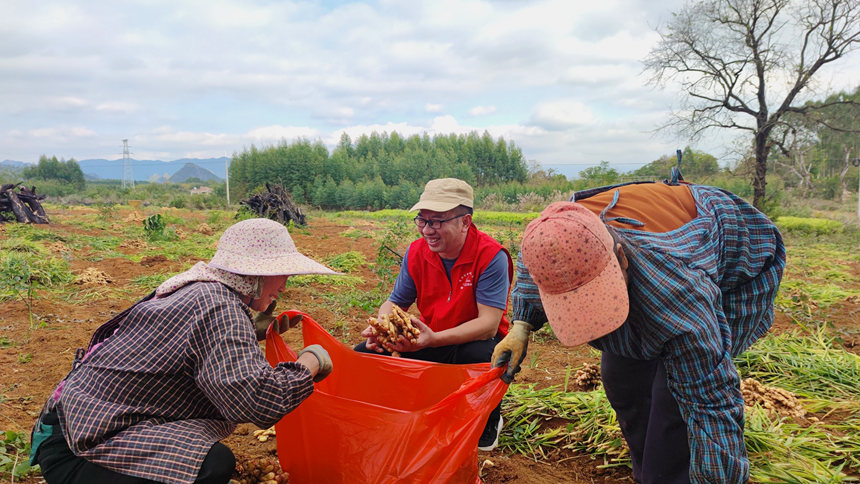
column 64, row 173
column 375, row 171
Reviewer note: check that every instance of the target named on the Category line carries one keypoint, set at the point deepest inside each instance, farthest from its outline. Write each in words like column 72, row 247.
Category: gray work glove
column 512, row 349
column 263, row 319
column 322, row 357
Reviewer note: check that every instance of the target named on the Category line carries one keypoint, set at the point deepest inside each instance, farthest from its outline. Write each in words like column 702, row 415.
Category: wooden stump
column 275, row 203
column 24, row 205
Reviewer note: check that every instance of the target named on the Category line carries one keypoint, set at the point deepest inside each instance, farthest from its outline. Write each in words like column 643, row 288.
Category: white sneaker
column 490, row 438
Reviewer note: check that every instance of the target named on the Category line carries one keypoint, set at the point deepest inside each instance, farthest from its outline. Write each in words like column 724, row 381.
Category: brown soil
column 33, row 360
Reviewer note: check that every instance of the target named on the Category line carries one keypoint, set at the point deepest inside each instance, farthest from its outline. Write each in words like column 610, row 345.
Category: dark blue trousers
column 649, row 419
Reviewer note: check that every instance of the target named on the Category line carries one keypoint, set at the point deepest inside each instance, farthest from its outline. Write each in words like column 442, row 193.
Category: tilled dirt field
column 27, row 380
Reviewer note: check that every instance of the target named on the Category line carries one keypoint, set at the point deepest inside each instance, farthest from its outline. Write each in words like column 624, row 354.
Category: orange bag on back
column 379, row 419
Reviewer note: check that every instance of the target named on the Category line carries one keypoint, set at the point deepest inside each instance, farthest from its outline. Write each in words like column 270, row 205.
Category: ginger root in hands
column 389, row 327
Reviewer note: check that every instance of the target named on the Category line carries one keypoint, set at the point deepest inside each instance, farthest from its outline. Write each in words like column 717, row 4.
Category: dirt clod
column 205, row 229
column 92, row 276
column 152, row 260
column 133, row 244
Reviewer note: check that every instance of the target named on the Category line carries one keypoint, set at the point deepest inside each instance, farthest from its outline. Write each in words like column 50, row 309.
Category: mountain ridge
column 142, row 170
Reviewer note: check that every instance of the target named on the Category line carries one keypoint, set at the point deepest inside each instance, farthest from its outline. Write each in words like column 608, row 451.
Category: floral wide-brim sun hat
column 262, row 247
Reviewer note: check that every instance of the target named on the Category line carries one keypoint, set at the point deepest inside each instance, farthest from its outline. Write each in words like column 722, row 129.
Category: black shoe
column 490, row 438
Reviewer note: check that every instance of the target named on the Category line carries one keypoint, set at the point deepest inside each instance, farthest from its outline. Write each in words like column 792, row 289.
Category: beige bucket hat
column 443, row 194
column 262, row 247
column 569, row 255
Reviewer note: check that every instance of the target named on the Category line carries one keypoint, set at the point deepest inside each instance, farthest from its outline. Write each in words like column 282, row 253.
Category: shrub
column 818, row 226
column 155, row 228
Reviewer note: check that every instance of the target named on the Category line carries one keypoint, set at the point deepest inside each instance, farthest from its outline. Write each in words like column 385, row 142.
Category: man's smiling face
column 448, row 239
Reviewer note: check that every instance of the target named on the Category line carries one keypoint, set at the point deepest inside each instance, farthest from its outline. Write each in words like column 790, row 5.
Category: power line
column 127, row 176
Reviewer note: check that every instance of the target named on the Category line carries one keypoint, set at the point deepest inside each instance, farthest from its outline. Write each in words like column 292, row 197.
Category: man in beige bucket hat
column 165, row 380
column 459, row 278
column 670, row 281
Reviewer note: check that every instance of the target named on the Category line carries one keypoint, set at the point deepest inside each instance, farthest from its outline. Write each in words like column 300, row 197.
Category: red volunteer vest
column 445, row 304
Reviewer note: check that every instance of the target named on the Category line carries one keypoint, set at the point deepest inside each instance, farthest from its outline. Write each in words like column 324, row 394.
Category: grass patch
column 332, row 281
column 357, row 234
column 368, row 301
column 75, row 295
column 809, row 295
column 196, row 246
column 219, row 220
column 14, row 454
column 32, row 232
column 479, row 217
column 34, row 270
column 150, row 281
column 806, row 225
column 20, row 246
column 346, row 262
column 821, row 262
column 104, row 246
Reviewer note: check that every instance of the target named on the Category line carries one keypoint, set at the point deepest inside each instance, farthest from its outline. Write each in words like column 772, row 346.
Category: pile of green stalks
column 822, row 448
column 826, row 381
column 583, row 422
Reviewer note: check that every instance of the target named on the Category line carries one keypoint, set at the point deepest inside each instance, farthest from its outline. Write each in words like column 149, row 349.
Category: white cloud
column 64, row 103
column 61, row 133
column 482, row 110
column 446, row 124
column 561, row 114
column 225, row 14
column 274, row 134
column 117, row 107
column 562, row 81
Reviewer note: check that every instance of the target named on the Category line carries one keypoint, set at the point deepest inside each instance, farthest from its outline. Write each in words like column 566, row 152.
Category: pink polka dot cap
column 262, row 247
column 569, row 254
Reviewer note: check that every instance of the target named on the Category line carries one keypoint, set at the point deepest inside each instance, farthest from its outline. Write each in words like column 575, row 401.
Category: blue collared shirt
column 699, row 295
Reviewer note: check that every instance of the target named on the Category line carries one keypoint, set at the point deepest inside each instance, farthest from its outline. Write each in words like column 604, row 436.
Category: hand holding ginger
column 388, row 329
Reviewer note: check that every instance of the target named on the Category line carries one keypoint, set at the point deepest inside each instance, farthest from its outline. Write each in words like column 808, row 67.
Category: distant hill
column 144, row 170
column 11, row 170
column 191, row 170
column 13, row 164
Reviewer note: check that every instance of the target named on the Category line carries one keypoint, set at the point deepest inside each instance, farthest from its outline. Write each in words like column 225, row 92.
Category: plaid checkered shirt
column 175, row 377
column 699, row 295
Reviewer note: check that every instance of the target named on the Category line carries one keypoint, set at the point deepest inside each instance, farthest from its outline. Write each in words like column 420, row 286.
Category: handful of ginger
column 389, row 327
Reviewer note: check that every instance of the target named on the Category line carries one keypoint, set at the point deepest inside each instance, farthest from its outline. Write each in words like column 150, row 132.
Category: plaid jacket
column 174, row 378
column 699, row 295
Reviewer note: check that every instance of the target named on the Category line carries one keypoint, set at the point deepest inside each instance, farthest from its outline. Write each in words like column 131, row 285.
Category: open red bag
column 378, row 419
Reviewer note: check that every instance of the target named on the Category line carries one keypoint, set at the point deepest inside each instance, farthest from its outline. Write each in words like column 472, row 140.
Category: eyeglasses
column 434, row 224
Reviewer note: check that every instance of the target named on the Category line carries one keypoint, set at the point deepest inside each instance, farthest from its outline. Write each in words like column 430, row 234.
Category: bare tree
column 843, row 184
column 800, row 167
column 730, row 55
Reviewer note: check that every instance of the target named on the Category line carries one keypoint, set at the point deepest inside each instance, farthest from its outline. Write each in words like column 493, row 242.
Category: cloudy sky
column 561, row 79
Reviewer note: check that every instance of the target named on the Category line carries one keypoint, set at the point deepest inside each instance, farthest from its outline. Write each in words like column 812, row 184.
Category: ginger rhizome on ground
column 263, row 434
column 389, row 327
column 264, row 470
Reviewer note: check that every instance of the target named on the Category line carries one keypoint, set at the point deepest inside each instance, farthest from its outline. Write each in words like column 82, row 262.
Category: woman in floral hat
column 165, row 380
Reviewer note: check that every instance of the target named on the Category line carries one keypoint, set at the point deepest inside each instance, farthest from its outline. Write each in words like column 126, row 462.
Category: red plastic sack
column 378, row 419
